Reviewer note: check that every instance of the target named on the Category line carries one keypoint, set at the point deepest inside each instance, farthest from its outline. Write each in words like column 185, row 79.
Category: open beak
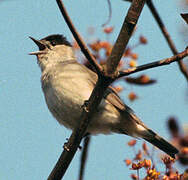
column 40, row 45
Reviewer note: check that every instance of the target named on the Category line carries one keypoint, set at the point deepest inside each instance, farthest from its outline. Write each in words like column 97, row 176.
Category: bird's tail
column 159, row 142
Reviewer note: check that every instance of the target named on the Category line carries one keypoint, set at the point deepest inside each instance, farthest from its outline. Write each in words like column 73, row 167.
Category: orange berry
column 108, row 30
column 147, row 163
column 128, row 162
column 118, row 88
column 134, row 176
column 134, row 56
column 132, row 63
column 184, row 151
column 143, row 40
column 132, row 96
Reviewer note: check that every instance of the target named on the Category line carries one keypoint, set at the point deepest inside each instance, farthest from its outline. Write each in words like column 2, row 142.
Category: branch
column 167, row 36
column 78, row 38
column 84, row 156
column 124, row 36
column 162, row 62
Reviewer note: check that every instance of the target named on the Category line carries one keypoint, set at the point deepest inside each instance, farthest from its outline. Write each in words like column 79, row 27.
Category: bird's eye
column 53, row 43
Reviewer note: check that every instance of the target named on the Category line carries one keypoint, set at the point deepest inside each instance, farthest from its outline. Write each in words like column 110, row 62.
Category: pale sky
column 31, row 139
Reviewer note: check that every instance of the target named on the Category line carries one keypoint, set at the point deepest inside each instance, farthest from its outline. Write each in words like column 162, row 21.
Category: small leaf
column 140, row 80
column 132, row 142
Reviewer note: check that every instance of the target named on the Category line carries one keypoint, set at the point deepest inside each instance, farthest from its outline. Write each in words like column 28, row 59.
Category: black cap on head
column 57, row 39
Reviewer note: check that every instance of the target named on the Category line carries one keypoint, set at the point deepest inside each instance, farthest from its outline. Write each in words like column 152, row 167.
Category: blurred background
column 31, row 140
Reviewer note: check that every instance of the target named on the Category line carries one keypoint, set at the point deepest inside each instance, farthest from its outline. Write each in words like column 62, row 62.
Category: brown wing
column 114, row 99
column 110, row 95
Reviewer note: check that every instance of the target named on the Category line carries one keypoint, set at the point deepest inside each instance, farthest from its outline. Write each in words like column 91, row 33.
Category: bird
column 67, row 84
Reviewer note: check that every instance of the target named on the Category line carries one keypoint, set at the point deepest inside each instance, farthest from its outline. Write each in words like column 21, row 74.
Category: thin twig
column 110, row 13
column 124, row 35
column 84, row 156
column 167, row 36
column 162, row 62
column 138, row 178
column 78, row 38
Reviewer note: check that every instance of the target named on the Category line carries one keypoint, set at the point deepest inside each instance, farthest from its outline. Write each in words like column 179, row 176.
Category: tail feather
column 162, row 144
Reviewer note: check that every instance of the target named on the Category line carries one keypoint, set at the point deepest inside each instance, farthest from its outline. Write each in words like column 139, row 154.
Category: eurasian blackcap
column 67, row 84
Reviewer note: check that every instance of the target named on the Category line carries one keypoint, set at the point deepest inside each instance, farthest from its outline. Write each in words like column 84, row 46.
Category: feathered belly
column 66, row 107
